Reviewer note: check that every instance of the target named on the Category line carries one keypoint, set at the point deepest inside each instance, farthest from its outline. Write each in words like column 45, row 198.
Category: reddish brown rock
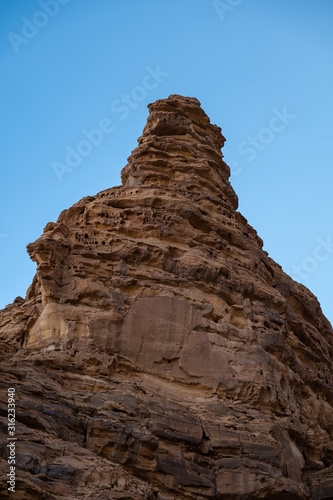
column 160, row 353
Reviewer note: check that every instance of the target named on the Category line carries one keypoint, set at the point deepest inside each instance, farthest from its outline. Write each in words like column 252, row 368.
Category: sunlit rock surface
column 159, row 352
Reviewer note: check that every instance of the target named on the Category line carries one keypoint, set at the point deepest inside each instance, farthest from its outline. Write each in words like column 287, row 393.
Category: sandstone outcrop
column 160, row 353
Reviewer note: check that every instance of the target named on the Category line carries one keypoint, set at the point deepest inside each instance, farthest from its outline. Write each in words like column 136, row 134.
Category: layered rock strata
column 159, row 352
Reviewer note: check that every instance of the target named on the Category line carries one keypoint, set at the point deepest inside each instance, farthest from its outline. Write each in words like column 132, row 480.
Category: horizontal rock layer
column 159, row 352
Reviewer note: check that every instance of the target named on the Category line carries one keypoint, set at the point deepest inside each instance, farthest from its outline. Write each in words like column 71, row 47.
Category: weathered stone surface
column 159, row 352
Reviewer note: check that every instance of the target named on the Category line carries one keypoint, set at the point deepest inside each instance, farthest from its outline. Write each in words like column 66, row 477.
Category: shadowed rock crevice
column 159, row 352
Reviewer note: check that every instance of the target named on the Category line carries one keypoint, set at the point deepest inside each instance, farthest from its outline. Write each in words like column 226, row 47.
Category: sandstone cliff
column 159, row 352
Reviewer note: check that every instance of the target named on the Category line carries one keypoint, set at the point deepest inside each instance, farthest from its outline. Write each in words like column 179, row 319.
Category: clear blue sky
column 263, row 71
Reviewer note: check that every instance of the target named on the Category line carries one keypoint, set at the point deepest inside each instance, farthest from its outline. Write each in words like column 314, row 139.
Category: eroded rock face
column 160, row 353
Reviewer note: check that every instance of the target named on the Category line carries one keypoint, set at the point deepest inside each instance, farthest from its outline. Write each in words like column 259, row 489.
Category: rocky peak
column 180, row 148
column 159, row 352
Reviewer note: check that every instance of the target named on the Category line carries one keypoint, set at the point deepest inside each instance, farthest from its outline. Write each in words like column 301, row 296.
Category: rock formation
column 159, row 352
